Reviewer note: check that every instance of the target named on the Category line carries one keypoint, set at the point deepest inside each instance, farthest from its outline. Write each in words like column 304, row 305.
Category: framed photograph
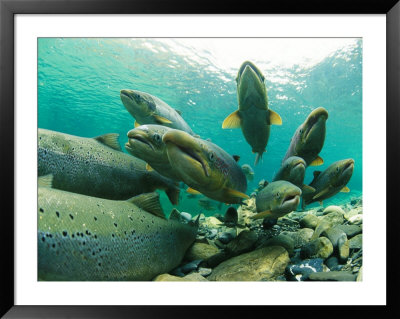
column 152, row 144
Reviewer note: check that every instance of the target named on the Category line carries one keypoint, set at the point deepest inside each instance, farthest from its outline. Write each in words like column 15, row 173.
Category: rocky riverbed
column 320, row 244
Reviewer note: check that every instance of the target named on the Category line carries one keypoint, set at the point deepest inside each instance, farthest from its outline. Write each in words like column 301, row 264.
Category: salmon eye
column 278, row 195
column 337, row 169
column 211, row 156
column 157, row 137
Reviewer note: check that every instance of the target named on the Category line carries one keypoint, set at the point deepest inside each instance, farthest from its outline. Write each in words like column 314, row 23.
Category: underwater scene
column 200, row 159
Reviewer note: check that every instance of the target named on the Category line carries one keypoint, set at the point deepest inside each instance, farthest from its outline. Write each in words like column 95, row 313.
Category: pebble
column 190, row 277
column 333, row 208
column 332, row 276
column 204, row 271
column 350, row 230
column 243, row 243
column 200, row 251
column 339, row 242
column 356, row 219
column 231, row 216
column 356, row 242
column 268, row 223
column 191, row 266
column 212, row 233
column 261, row 264
column 300, row 237
column 359, row 275
column 281, row 240
column 227, row 236
column 186, row 217
column 318, row 248
column 309, row 221
column 301, row 270
column 333, row 263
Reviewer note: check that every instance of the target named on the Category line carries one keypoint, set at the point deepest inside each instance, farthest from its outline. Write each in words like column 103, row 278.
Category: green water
column 79, row 81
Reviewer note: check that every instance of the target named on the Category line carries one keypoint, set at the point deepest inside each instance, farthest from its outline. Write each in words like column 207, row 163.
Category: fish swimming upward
column 330, row 182
column 145, row 142
column 277, row 199
column 205, row 167
column 97, row 167
column 309, row 138
column 87, row 238
column 253, row 116
column 149, row 109
column 293, row 170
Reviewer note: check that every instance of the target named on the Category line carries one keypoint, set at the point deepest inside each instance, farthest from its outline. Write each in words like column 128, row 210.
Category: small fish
column 207, row 204
column 248, row 171
column 293, row 170
column 277, row 199
column 253, row 115
column 97, row 167
column 330, row 182
column 145, row 142
column 309, row 138
column 149, row 109
column 205, row 167
column 87, row 238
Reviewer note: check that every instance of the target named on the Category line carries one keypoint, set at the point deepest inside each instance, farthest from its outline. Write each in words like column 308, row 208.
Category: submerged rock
column 332, row 276
column 356, row 242
column 350, row 230
column 309, row 221
column 200, row 251
column 300, row 237
column 300, row 271
column 280, row 240
column 190, row 277
column 261, row 264
column 318, row 248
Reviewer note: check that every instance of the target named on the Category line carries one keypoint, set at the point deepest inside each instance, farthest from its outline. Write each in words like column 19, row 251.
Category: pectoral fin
column 307, row 189
column 110, row 140
column 345, row 190
column 321, row 193
column 318, row 161
column 45, row 180
column 136, row 124
column 150, row 202
column 161, row 119
column 149, row 168
column 274, row 118
column 175, row 215
column 235, row 193
column 263, row 214
column 192, row 191
column 232, row 121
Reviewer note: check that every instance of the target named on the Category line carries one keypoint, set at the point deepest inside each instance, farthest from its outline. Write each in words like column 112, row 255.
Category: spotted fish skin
column 87, row 166
column 86, row 238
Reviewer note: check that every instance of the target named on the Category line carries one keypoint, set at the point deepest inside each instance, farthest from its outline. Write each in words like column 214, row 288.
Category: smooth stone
column 268, row 223
column 356, row 242
column 200, row 251
column 212, row 222
column 243, row 243
column 191, row 266
column 335, row 235
column 300, row 237
column 332, row 263
column 309, row 221
column 333, row 208
column 227, row 236
column 301, row 270
column 186, row 216
column 359, row 275
column 356, row 219
column 190, row 277
column 204, row 271
column 318, row 248
column 264, row 264
column 332, row 276
column 353, row 212
column 350, row 230
column 178, row 272
column 215, row 260
column 281, row 240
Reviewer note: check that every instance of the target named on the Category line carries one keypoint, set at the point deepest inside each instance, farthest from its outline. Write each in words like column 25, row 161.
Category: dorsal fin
column 150, row 202
column 45, row 180
column 236, row 158
column 175, row 215
column 110, row 140
column 318, row 161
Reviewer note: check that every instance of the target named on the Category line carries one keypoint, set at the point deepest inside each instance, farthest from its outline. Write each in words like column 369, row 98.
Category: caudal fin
column 258, row 157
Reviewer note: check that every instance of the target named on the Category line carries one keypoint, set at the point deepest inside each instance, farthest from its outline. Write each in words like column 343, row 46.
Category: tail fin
column 258, row 157
column 173, row 194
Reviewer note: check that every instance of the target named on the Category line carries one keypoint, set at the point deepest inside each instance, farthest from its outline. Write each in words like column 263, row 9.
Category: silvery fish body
column 149, row 109
column 88, row 238
column 95, row 167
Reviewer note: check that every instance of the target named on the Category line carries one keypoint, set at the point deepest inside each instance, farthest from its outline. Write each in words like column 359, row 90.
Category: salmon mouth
column 139, row 139
column 291, row 200
column 315, row 121
column 348, row 168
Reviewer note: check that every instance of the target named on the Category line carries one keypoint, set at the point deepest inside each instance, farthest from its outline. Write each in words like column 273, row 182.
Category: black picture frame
column 8, row 10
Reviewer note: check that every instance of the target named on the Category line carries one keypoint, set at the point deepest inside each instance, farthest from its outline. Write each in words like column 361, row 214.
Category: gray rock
column 332, row 276
column 212, row 233
column 300, row 237
column 350, row 230
column 309, row 221
column 190, row 266
column 301, row 270
column 243, row 243
column 186, row 216
column 356, row 242
column 204, row 271
column 200, row 251
column 339, row 241
column 318, row 248
column 328, row 221
column 281, row 240
column 333, row 263
column 333, row 208
column 226, row 237
column 261, row 264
